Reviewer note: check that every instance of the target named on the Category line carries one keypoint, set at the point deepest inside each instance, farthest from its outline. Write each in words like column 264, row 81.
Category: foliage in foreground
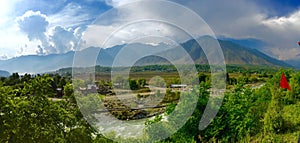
column 266, row 114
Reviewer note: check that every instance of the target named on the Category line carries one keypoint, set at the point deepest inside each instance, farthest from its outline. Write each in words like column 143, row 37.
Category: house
column 181, row 87
column 91, row 88
column 178, row 85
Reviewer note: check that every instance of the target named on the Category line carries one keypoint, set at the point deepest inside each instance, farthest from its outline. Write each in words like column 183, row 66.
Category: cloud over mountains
column 56, row 39
column 45, row 27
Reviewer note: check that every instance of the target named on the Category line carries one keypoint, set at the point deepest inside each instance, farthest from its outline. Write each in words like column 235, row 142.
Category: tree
column 133, row 84
column 40, row 85
column 202, row 77
column 13, row 80
column 141, row 82
column 32, row 117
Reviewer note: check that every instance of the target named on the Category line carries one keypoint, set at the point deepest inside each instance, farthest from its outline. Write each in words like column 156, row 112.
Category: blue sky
column 279, row 7
column 29, row 27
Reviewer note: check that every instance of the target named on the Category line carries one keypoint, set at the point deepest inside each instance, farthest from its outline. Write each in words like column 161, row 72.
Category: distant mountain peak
column 4, row 73
column 234, row 54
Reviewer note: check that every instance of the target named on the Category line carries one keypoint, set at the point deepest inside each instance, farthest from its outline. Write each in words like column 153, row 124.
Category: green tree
column 40, row 85
column 33, row 117
column 133, row 84
column 141, row 82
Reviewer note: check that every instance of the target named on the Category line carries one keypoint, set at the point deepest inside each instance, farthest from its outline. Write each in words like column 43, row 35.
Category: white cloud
column 97, row 34
column 247, row 19
column 286, row 23
column 284, row 33
column 116, row 3
column 72, row 15
column 34, row 24
column 63, row 40
column 46, row 39
column 3, row 57
column 58, row 32
column 6, row 7
column 40, row 50
column 12, row 39
column 135, row 20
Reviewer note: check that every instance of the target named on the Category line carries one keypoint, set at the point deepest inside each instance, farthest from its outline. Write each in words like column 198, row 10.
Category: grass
column 167, row 76
column 291, row 115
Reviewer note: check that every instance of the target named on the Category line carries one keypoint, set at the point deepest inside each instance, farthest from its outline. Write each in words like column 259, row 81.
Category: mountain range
column 4, row 73
column 234, row 53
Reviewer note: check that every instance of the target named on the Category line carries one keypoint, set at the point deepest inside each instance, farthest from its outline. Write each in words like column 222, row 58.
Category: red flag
column 284, row 83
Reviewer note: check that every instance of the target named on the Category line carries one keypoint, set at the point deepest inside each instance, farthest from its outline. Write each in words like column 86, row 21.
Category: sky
column 41, row 27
